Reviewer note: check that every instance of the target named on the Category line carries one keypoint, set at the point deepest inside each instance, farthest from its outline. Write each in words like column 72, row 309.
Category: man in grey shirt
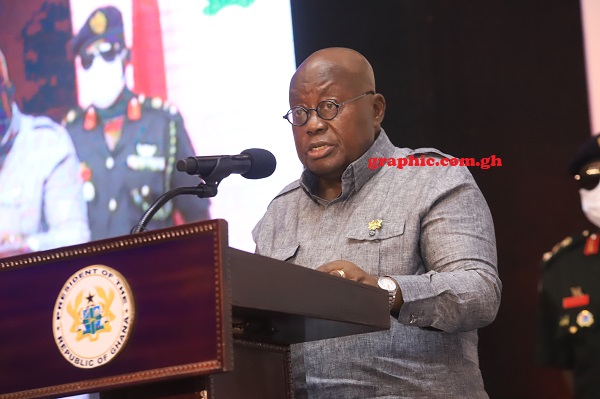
column 425, row 234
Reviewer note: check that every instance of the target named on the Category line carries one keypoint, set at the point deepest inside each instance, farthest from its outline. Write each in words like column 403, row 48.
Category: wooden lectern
column 208, row 321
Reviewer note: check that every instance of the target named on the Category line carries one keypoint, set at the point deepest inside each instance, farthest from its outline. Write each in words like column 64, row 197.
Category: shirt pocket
column 373, row 250
column 285, row 252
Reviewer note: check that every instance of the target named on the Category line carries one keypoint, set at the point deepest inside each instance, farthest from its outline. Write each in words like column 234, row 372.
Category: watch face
column 386, row 283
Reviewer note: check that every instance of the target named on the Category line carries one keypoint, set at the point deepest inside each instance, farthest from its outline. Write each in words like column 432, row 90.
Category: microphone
column 253, row 163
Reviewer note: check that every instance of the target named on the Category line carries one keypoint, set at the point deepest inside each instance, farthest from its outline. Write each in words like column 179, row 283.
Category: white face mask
column 590, row 204
column 103, row 82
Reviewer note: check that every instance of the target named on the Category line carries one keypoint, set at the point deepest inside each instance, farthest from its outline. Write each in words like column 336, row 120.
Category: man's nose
column 314, row 124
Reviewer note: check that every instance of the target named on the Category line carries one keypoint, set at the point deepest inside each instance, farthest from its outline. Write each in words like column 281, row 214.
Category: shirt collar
column 357, row 174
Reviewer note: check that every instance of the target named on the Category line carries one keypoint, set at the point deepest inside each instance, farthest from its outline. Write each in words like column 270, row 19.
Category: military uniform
column 569, row 290
column 128, row 149
column 120, row 184
column 569, row 311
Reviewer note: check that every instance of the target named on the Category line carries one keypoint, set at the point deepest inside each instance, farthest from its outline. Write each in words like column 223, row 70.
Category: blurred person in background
column 569, row 297
column 41, row 206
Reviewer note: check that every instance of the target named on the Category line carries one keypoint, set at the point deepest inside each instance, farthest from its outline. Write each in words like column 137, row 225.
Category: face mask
column 103, row 82
column 590, row 204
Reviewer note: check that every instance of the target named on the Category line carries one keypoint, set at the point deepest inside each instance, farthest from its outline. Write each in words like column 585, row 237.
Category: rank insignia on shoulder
column 156, row 102
column 556, row 248
column 565, row 243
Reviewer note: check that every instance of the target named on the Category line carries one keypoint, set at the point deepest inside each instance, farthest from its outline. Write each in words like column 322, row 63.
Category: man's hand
column 349, row 271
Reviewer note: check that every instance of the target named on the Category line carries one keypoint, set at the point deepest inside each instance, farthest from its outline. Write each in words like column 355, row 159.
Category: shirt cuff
column 415, row 289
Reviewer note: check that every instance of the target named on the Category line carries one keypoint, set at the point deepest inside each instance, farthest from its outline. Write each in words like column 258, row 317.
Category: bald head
column 344, row 66
column 333, row 91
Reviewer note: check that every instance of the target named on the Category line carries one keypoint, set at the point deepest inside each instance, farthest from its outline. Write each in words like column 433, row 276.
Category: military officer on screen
column 569, row 299
column 128, row 144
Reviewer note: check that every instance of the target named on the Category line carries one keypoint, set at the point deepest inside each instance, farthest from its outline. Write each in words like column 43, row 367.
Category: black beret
column 103, row 23
column 588, row 152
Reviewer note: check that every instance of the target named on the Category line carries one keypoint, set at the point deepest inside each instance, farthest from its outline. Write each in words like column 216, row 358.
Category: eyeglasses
column 326, row 109
column 108, row 54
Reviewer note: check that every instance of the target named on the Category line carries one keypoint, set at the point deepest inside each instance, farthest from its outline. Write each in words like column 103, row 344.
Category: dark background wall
column 476, row 78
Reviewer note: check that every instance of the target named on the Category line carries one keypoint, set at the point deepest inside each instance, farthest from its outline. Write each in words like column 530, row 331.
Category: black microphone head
column 188, row 165
column 263, row 163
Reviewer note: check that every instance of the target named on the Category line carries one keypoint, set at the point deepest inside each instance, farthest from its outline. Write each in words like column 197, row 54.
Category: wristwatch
column 390, row 285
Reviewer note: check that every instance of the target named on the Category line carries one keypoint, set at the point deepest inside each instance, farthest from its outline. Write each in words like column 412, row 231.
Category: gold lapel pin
column 374, row 224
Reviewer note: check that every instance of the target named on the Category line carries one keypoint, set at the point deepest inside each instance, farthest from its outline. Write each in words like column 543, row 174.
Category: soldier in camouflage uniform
column 128, row 144
column 569, row 298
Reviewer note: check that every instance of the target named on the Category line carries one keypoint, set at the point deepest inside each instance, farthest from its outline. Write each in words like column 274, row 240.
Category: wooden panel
column 182, row 324
column 262, row 371
column 282, row 303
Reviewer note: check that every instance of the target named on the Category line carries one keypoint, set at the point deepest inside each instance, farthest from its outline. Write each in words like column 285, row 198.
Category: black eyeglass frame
column 316, row 109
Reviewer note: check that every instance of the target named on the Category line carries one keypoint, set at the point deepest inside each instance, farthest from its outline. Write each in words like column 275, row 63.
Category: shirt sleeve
column 461, row 289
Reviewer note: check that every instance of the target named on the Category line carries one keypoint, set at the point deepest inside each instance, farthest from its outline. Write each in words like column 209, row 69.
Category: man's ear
column 378, row 110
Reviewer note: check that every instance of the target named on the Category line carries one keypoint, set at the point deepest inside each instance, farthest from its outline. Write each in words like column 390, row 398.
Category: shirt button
column 110, row 163
column 413, row 319
column 89, row 191
column 112, row 205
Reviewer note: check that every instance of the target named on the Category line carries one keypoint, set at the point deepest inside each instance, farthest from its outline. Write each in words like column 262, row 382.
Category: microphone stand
column 207, row 189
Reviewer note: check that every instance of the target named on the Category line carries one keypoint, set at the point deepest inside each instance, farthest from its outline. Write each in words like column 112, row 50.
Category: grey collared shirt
column 44, row 203
column 436, row 239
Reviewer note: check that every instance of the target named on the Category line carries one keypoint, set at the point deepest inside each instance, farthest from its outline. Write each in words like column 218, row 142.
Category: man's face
column 327, row 147
column 589, row 191
column 101, row 77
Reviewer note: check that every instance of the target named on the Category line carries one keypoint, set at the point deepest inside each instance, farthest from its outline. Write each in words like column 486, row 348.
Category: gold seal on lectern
column 93, row 316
